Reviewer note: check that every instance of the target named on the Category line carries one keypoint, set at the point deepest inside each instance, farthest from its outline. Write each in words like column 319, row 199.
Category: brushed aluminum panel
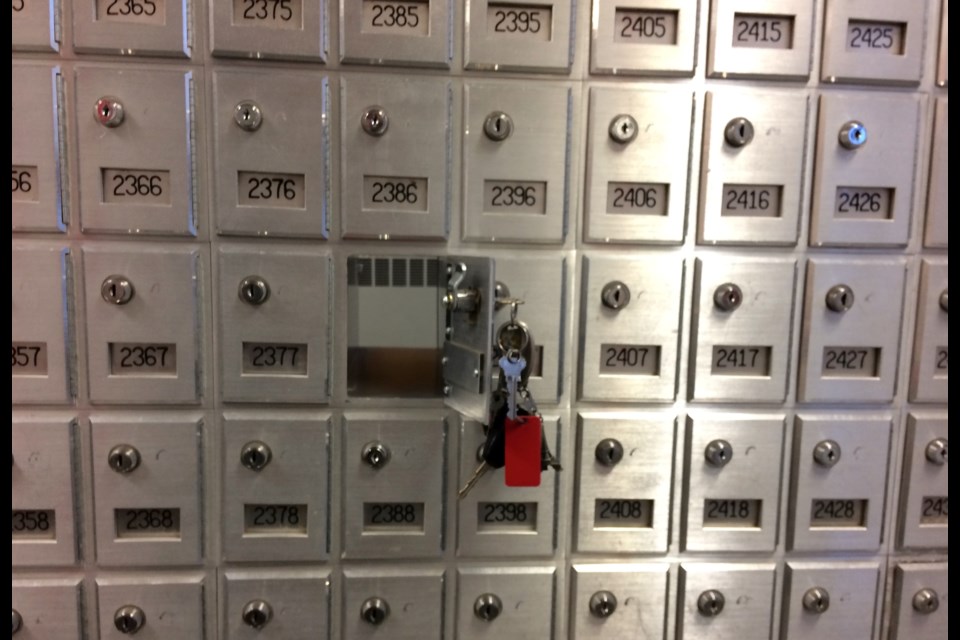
column 860, row 474
column 644, row 473
column 936, row 230
column 642, row 594
column 844, row 64
column 419, row 111
column 172, row 604
column 297, row 311
column 49, row 608
column 485, row 52
column 157, row 134
column 36, row 145
column 874, row 321
column 415, row 598
column 469, row 335
column 296, row 474
column 789, row 63
column 776, row 156
column 415, row 473
column 748, row 594
column 43, row 478
column 35, row 27
column 852, row 588
column 753, row 473
column 942, row 60
column 538, row 150
column 921, row 478
column 610, row 56
column 528, row 595
column 265, row 41
column 763, row 320
column 42, row 306
column 906, row 623
column 170, row 35
column 659, row 155
column 435, row 49
column 169, row 476
column 475, row 541
column 292, row 139
column 167, row 286
column 887, row 160
column 298, row 598
column 928, row 381
column 651, row 318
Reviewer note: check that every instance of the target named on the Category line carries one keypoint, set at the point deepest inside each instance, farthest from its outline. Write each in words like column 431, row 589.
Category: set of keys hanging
column 515, row 440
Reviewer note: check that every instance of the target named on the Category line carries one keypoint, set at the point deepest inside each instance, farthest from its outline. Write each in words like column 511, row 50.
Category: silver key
column 512, row 365
column 474, row 479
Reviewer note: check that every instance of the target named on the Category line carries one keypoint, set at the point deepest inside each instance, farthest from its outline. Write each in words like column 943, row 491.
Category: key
column 512, row 364
column 493, row 451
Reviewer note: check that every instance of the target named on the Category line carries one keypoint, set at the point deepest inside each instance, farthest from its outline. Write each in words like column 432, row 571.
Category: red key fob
column 522, row 442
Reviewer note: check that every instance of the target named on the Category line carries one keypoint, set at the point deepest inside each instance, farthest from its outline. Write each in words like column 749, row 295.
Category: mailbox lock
column 718, row 452
column 116, row 290
column 487, row 607
column 615, row 295
column 603, row 604
column 816, row 600
column 727, row 297
column 853, row 135
column 257, row 613
column 498, row 126
column 374, row 121
column 623, row 128
column 710, row 603
column 254, row 290
column 943, row 301
column 255, row 455
column 609, row 452
column 739, row 132
column 937, row 451
column 248, row 115
column 374, row 610
column 109, row 112
column 129, row 619
column 926, row 601
column 375, row 454
column 17, row 621
column 839, row 298
column 826, row 453
column 123, row 458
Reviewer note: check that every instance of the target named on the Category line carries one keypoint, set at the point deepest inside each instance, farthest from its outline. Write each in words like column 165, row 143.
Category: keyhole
column 498, row 125
column 105, row 111
column 625, row 128
column 743, row 131
column 256, row 458
column 844, row 299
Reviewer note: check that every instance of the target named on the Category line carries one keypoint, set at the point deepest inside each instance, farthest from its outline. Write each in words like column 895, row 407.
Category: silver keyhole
column 710, row 603
column 116, row 290
column 255, row 455
column 374, row 610
column 17, row 621
column 853, row 135
column 487, row 607
column 943, row 301
column 375, row 121
column 609, row 452
column 615, row 295
column 109, row 112
column 816, row 600
column 926, row 601
column 257, row 613
column 937, row 451
column 498, row 126
column 123, row 458
column 375, row 454
column 603, row 604
column 248, row 115
column 727, row 297
column 129, row 619
column 738, row 132
column 718, row 452
column 839, row 298
column 623, row 128
column 826, row 453
column 254, row 290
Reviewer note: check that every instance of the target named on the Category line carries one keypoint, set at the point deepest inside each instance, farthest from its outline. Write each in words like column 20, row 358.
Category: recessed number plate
column 393, row 517
column 29, row 358
column 637, row 198
column 148, row 523
column 853, row 362
column 630, row 359
column 838, row 513
column 621, row 513
column 740, row 361
column 533, row 22
column 506, row 516
column 731, row 513
column 273, row 359
column 407, row 18
column 762, row 31
column 34, row 524
column 276, row 14
column 275, row 519
column 136, row 359
column 644, row 26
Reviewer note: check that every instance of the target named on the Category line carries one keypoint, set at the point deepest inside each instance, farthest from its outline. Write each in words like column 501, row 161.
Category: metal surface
column 298, row 600
column 924, row 482
column 641, row 591
column 527, row 593
column 928, row 370
column 414, row 597
column 745, row 591
column 832, row 601
column 48, row 607
column 172, row 603
column 617, row 57
column 909, row 579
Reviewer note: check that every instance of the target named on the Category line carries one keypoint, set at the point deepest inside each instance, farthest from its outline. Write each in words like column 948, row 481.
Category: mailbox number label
column 507, row 515
column 860, row 202
column 645, row 27
column 393, row 516
column 841, row 361
column 731, row 513
column 530, row 21
column 142, row 359
column 28, row 358
column 630, row 359
column 756, row 200
column 269, row 358
column 276, row 14
column 610, row 512
column 148, row 523
column 409, row 17
column 142, row 11
column 275, row 518
column 875, row 36
column 942, row 359
column 762, row 31
column 29, row 523
column 24, row 183
column 838, row 513
column 745, row 361
column 393, row 194
column 934, row 510
column 636, row 197
column 521, row 197
column 136, row 186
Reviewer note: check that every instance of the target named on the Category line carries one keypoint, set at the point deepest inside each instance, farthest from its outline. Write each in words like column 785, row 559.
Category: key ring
column 508, row 327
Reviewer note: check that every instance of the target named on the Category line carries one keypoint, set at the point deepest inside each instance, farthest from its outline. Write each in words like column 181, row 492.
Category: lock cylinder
column 257, row 613
column 129, row 619
column 487, row 607
column 374, row 611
